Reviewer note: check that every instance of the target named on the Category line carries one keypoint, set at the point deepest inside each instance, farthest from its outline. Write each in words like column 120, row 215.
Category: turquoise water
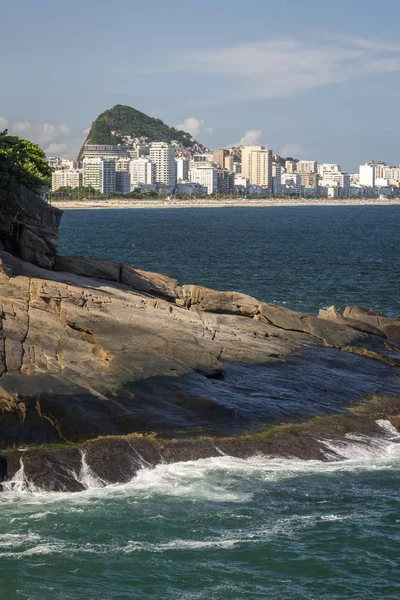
column 224, row 528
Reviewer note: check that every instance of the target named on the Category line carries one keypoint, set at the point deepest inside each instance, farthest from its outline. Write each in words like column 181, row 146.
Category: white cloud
column 56, row 149
column 3, row 123
column 43, row 134
column 54, row 139
column 194, row 126
column 280, row 67
column 293, row 149
column 250, row 138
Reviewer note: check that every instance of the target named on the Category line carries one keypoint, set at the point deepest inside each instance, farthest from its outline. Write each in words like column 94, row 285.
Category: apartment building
column 307, row 166
column 257, row 165
column 66, row 178
column 205, row 175
column 100, row 174
column 163, row 156
column 142, row 171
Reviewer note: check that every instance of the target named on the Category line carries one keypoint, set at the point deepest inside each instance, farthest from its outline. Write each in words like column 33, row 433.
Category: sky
column 310, row 79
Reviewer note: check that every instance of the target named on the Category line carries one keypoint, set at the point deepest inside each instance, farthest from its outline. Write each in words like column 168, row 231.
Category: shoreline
column 120, row 203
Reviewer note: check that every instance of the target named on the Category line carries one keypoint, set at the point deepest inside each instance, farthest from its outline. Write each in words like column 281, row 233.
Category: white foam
column 219, row 479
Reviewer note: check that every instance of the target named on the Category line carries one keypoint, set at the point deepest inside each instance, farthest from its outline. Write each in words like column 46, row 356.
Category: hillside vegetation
column 125, row 120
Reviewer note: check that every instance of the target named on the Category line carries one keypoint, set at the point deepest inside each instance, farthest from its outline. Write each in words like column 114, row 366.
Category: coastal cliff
column 107, row 367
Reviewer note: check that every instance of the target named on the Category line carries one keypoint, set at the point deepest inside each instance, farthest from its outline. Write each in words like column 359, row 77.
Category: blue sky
column 306, row 78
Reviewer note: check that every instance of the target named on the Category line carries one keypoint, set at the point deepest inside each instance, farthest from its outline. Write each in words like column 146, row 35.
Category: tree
column 22, row 161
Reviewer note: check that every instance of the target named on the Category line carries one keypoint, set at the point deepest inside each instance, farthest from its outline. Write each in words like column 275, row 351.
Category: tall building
column 307, row 166
column 379, row 167
column 205, row 175
column 326, row 169
column 123, row 182
column 257, row 165
column 182, row 169
column 291, row 166
column 367, row 176
column 291, row 183
column 391, row 173
column 142, row 171
column 223, row 159
column 100, row 174
column 309, row 180
column 225, row 182
column 163, row 156
column 66, row 178
column 123, row 164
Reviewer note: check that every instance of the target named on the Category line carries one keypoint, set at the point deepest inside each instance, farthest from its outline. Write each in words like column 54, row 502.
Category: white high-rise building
column 307, row 166
column 205, row 175
column 66, row 178
column 367, row 176
column 257, row 165
column 326, row 169
column 100, row 174
column 182, row 169
column 142, row 171
column 291, row 183
column 163, row 156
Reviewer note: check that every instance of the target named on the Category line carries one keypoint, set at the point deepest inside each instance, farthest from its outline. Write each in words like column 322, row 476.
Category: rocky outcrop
column 137, row 279
column 364, row 319
column 117, row 459
column 128, row 351
column 29, row 227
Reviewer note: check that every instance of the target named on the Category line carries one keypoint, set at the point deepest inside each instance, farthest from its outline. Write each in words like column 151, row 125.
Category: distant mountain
column 119, row 121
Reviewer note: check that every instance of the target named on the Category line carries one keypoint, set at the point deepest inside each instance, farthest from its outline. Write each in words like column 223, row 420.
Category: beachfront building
column 225, row 182
column 205, row 175
column 307, row 166
column 163, row 156
column 142, row 171
column 367, row 176
column 291, row 183
column 100, row 174
column 191, row 189
column 66, row 178
column 257, row 165
column 122, row 182
column 182, row 169
column 309, row 180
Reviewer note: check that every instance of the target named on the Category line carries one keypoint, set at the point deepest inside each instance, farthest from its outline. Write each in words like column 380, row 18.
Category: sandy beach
column 120, row 203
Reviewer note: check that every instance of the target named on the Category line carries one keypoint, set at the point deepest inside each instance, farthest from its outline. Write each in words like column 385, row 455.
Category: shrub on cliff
column 22, row 161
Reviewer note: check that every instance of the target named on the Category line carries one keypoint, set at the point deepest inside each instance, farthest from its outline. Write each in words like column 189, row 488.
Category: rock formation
column 29, row 227
column 95, row 348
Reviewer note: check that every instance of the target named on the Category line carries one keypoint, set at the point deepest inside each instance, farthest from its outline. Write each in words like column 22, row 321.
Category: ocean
column 225, row 528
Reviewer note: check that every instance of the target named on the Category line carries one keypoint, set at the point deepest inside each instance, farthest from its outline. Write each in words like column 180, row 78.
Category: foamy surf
column 218, row 479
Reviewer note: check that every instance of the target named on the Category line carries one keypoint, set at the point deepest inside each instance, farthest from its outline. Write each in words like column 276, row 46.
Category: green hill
column 126, row 120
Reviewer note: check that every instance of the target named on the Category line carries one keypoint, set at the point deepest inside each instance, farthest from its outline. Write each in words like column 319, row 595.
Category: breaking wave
column 215, row 479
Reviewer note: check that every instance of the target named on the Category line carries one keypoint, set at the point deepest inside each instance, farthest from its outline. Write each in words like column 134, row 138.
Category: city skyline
column 315, row 84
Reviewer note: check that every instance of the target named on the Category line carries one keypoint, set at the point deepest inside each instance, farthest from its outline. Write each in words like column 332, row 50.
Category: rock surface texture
column 96, row 348
column 29, row 227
